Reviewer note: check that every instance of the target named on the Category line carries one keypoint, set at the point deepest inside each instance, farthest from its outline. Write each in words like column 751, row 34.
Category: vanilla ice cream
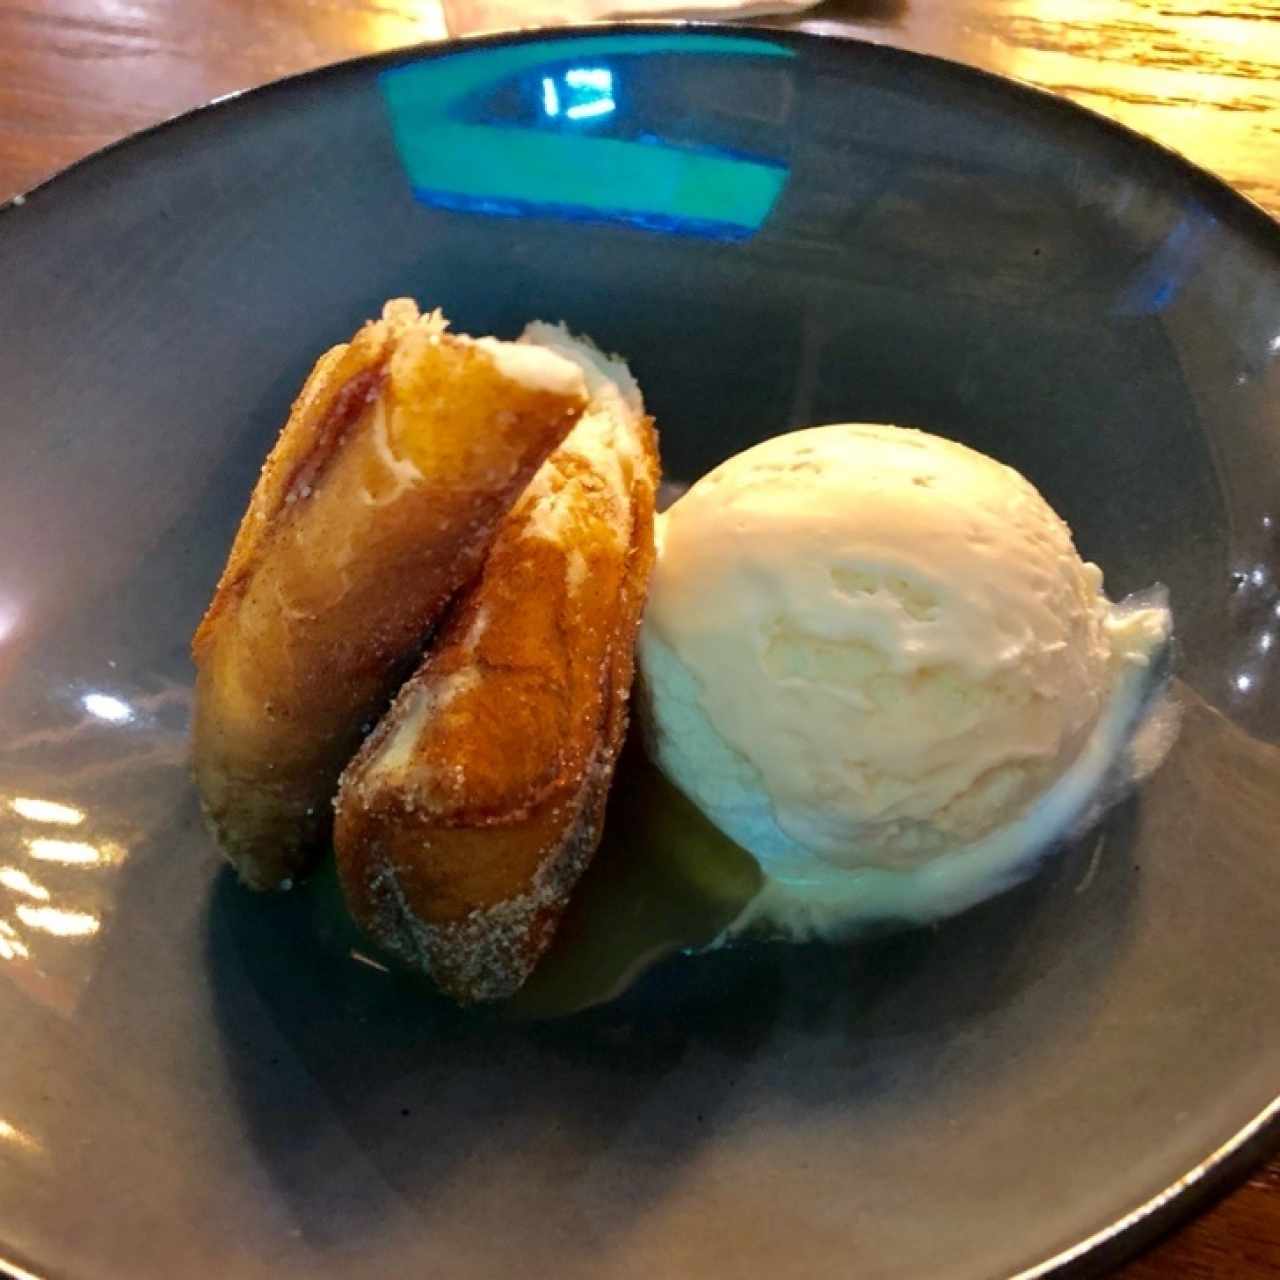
column 875, row 659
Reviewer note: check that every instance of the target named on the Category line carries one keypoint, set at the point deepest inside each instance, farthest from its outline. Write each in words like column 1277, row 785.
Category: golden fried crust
column 400, row 458
column 466, row 819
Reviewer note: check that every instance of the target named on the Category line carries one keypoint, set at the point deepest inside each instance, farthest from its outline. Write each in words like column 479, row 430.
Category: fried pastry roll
column 469, row 814
column 399, row 460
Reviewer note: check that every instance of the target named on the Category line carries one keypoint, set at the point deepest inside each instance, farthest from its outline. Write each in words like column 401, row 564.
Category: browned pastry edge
column 342, row 564
column 489, row 953
column 335, row 393
column 472, row 893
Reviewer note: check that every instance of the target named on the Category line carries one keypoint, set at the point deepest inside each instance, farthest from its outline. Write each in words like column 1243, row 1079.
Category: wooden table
column 1202, row 76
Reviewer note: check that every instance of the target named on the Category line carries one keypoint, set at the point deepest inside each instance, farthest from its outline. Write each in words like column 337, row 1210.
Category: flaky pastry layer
column 399, row 460
column 466, row 819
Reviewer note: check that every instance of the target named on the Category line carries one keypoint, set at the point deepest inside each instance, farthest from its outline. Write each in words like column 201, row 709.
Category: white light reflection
column 105, row 707
column 1258, row 576
column 63, row 924
column 63, row 815
column 585, row 94
column 1275, row 343
column 11, row 1133
column 360, row 958
column 11, row 945
column 1244, row 683
column 590, row 78
column 8, row 620
column 19, row 882
column 76, row 853
column 1266, row 640
column 588, row 110
column 550, row 98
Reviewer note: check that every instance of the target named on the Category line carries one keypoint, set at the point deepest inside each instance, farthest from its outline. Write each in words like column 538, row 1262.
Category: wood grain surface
column 1201, row 76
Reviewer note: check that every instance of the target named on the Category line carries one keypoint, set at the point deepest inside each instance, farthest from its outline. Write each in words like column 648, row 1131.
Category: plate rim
column 1224, row 1168
column 1235, row 205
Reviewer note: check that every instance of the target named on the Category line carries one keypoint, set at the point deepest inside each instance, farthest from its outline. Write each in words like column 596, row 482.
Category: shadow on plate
column 434, row 1098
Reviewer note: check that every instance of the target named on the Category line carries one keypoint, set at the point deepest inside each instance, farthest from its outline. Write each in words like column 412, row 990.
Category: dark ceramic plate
column 777, row 230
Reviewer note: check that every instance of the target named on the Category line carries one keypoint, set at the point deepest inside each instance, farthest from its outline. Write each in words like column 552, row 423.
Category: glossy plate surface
column 777, row 231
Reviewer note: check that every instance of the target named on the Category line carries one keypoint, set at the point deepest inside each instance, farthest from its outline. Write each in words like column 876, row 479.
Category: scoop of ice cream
column 867, row 648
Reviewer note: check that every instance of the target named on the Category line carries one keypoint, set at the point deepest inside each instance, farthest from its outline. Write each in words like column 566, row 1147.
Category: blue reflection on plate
column 565, row 129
